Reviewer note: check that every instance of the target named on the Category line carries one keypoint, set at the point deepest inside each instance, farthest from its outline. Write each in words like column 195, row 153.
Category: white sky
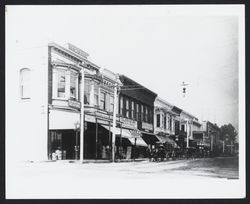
column 157, row 46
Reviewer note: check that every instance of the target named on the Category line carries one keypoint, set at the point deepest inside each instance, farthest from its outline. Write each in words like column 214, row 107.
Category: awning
column 128, row 134
column 139, row 141
column 117, row 130
column 149, row 138
column 164, row 139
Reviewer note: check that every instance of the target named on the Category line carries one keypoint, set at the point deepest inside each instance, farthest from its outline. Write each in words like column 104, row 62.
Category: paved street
column 58, row 178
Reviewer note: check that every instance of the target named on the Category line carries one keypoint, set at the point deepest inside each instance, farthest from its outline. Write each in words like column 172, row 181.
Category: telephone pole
column 114, row 123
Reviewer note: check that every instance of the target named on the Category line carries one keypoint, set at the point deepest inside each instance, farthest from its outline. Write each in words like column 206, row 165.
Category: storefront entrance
column 63, row 144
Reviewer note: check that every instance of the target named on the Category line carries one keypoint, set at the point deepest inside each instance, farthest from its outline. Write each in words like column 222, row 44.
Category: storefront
column 63, row 137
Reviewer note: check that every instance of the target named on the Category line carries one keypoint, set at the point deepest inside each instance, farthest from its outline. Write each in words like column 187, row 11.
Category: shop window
column 25, row 83
column 158, row 122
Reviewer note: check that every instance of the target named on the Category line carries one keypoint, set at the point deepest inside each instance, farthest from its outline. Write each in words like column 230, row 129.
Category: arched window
column 25, row 83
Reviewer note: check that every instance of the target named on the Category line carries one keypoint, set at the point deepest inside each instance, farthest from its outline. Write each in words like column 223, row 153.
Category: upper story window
column 132, row 109
column 183, row 127
column 102, row 101
column 170, row 123
column 165, row 122
column 61, row 83
column 158, row 120
column 65, row 83
column 121, row 105
column 142, row 113
column 25, row 83
column 87, row 91
column 73, row 85
column 96, row 93
column 146, row 114
column 137, row 111
column 127, row 108
column 112, row 104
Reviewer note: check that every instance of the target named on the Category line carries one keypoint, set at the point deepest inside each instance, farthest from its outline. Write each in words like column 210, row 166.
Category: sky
column 158, row 46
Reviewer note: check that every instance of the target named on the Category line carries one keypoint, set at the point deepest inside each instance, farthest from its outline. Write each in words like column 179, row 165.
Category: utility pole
column 82, row 116
column 114, row 123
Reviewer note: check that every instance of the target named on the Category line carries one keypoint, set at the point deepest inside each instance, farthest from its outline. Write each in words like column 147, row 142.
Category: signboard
column 90, row 118
column 103, row 115
column 77, row 50
column 104, row 122
column 128, row 123
column 147, row 126
column 74, row 104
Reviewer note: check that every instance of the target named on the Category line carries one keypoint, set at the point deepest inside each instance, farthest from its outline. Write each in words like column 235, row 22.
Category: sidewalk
column 99, row 160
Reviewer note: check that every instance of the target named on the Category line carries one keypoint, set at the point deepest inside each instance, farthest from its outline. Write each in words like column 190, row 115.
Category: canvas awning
column 131, row 135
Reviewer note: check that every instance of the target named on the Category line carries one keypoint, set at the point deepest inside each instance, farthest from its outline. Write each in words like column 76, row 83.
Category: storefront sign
column 90, row 118
column 103, row 115
column 147, row 126
column 103, row 122
column 77, row 50
column 74, row 104
column 129, row 123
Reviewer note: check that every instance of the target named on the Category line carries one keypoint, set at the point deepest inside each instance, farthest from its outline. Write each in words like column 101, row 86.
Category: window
column 132, row 109
column 107, row 102
column 165, row 122
column 96, row 93
column 102, row 101
column 158, row 120
column 121, row 105
column 142, row 113
column 150, row 116
column 183, row 128
column 25, row 83
column 127, row 108
column 87, row 88
column 112, row 104
column 146, row 114
column 137, row 111
column 73, row 85
column 170, row 123
column 61, row 74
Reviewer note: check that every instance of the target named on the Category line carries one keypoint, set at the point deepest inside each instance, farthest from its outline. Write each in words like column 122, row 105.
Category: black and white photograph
column 125, row 101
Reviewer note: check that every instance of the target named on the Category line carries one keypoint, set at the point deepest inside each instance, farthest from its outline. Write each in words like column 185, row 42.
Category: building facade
column 211, row 138
column 48, row 100
column 136, row 108
column 164, row 122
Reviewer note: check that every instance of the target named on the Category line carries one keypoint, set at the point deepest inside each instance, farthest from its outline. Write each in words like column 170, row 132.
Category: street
column 62, row 179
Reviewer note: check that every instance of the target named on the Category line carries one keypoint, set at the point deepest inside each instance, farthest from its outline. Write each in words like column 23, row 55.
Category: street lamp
column 77, row 127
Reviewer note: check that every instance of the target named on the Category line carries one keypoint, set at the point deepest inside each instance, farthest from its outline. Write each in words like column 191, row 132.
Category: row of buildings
column 46, row 95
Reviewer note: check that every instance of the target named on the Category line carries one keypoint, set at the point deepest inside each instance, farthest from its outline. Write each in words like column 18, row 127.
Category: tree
column 228, row 133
